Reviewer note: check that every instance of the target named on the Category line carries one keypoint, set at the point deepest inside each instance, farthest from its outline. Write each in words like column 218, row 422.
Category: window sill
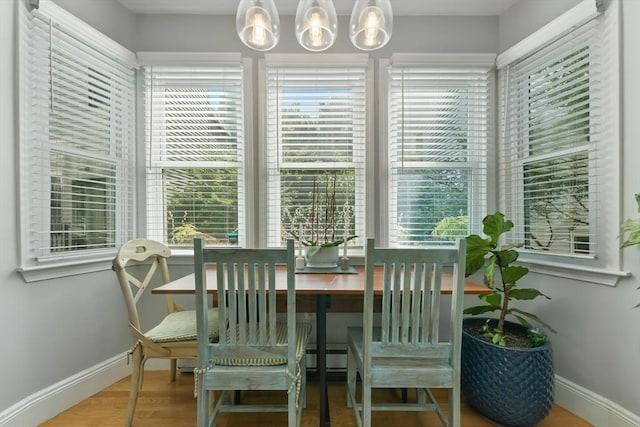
column 70, row 268
column 574, row 272
column 184, row 256
column 579, row 273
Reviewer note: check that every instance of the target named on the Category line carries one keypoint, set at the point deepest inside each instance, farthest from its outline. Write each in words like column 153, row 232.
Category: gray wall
column 51, row 330
column 598, row 340
column 411, row 34
column 527, row 16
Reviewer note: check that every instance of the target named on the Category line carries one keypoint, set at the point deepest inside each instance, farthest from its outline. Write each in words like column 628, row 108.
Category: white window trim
column 605, row 269
column 90, row 261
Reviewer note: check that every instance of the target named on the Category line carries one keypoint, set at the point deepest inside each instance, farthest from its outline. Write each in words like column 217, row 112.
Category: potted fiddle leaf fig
column 631, row 226
column 507, row 367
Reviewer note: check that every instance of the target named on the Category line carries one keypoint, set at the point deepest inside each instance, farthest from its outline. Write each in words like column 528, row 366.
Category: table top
column 321, row 283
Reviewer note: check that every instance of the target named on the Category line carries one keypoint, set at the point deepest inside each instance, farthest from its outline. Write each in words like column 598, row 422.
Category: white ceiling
column 343, row 7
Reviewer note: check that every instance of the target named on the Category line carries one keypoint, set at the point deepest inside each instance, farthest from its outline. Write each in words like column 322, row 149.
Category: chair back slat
column 409, row 278
column 421, row 274
column 386, row 303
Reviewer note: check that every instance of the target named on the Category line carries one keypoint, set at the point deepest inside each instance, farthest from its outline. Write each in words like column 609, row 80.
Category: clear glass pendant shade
column 258, row 24
column 316, row 24
column 371, row 24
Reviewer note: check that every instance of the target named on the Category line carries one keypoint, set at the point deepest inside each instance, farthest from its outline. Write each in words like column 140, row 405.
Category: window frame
column 363, row 221
column 604, row 266
column 481, row 169
column 34, row 267
column 194, row 59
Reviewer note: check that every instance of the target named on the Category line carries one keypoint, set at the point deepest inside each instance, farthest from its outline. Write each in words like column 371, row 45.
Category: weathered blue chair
column 254, row 351
column 405, row 351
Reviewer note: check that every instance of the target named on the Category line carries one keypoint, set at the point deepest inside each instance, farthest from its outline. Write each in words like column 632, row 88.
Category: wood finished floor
column 165, row 404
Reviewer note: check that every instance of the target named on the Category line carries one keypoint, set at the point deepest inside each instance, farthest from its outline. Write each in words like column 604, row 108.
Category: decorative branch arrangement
column 319, row 225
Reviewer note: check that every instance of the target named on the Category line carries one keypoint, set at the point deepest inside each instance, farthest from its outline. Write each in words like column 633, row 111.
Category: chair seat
column 303, row 333
column 181, row 326
column 401, row 371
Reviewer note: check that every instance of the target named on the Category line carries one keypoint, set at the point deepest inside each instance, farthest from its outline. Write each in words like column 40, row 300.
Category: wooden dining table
column 320, row 291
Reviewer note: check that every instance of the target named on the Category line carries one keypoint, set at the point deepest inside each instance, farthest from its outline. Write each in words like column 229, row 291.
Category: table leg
column 322, row 302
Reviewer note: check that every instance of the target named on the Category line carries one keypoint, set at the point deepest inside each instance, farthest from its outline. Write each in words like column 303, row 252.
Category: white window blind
column 316, row 128
column 554, row 123
column 77, row 138
column 194, row 131
column 440, row 123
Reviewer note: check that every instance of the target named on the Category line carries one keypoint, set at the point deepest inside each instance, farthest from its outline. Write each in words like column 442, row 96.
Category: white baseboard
column 52, row 400
column 49, row 402
column 592, row 407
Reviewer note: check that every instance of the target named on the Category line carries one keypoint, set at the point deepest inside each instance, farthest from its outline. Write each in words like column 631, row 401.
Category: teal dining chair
column 405, row 350
column 255, row 350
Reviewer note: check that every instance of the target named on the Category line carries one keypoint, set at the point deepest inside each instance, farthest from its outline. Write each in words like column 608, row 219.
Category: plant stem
column 505, row 298
column 314, row 215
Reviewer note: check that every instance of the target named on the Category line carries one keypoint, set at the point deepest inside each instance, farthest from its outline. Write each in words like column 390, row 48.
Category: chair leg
column 303, row 389
column 454, row 407
column 174, row 368
column 366, row 403
column 352, row 376
column 202, row 403
column 136, row 382
column 292, row 410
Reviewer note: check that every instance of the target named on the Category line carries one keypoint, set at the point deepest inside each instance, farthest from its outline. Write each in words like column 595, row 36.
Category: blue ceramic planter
column 511, row 386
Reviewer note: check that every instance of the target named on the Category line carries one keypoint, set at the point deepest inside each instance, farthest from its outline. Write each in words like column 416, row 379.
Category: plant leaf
column 490, row 272
column 477, row 249
column 494, row 299
column 313, row 250
column 480, row 309
column 494, row 226
column 513, row 273
column 526, row 294
column 633, row 228
column 506, row 257
column 522, row 321
column 534, row 317
column 337, row 242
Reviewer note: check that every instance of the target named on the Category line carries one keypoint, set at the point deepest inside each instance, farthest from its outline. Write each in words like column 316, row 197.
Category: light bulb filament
column 315, row 30
column 372, row 25
column 259, row 30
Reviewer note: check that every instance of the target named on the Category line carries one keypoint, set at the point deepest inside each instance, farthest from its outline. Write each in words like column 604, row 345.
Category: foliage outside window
column 315, row 136
column 77, row 95
column 194, row 128
column 440, row 125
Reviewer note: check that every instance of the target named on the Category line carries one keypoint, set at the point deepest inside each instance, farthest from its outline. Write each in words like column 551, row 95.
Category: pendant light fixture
column 371, row 24
column 316, row 24
column 258, row 24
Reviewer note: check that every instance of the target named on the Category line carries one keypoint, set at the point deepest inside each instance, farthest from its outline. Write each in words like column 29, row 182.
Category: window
column 440, row 123
column 194, row 130
column 77, row 141
column 316, row 133
column 559, row 144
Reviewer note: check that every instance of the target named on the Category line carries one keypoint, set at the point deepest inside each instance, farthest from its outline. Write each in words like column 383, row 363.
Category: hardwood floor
column 162, row 403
